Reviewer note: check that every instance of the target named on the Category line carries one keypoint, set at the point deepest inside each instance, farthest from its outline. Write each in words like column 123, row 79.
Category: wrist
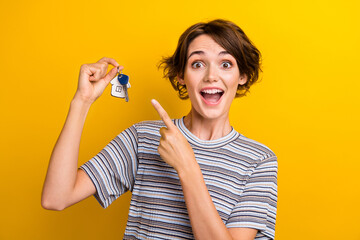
column 190, row 170
column 80, row 103
column 80, row 100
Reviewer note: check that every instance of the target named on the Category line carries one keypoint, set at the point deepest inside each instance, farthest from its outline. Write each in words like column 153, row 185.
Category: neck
column 207, row 129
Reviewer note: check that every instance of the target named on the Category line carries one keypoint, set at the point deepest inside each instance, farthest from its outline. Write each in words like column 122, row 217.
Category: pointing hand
column 174, row 149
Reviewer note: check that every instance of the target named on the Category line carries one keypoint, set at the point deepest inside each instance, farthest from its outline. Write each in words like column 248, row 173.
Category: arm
column 64, row 184
column 204, row 218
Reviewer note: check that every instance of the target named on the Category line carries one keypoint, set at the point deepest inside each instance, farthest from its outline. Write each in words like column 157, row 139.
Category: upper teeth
column 211, row 91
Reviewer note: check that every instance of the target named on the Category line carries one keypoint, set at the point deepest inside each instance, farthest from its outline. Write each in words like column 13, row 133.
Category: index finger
column 110, row 61
column 163, row 114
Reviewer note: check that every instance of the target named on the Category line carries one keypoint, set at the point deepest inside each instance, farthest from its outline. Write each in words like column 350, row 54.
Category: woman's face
column 211, row 77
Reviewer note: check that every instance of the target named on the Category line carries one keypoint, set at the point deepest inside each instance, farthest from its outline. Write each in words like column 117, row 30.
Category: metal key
column 124, row 80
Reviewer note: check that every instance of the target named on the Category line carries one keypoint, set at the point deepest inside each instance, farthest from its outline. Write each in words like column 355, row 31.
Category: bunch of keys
column 120, row 85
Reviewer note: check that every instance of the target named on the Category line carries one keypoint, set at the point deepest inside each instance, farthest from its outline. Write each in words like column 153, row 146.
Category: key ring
column 119, row 72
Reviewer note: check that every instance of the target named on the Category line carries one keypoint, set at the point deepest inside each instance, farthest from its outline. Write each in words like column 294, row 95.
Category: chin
column 211, row 113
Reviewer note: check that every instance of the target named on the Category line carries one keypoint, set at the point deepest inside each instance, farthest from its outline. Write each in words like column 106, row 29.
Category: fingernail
column 153, row 101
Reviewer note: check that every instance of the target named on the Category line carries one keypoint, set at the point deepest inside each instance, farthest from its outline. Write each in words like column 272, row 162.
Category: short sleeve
column 256, row 207
column 114, row 168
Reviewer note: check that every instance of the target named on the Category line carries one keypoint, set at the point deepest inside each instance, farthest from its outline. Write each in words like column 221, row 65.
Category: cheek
column 232, row 85
column 190, row 80
column 191, row 90
column 232, row 80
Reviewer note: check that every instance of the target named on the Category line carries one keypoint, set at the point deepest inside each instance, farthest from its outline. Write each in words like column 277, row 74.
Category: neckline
column 231, row 136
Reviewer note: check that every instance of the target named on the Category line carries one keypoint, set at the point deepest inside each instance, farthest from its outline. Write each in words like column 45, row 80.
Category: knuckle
column 165, row 115
column 172, row 138
column 96, row 70
column 104, row 67
column 83, row 67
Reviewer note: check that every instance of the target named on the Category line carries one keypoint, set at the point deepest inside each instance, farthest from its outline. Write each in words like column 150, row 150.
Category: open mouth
column 212, row 96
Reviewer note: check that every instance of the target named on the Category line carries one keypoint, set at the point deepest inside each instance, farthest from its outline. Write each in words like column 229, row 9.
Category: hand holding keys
column 120, row 84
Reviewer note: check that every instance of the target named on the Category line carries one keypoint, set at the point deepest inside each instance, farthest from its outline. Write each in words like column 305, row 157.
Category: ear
column 243, row 79
column 180, row 80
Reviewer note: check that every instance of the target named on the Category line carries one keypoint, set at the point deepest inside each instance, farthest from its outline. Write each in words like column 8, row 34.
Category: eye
column 197, row 64
column 226, row 64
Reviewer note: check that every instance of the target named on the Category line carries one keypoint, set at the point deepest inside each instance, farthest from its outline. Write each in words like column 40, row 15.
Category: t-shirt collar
column 231, row 136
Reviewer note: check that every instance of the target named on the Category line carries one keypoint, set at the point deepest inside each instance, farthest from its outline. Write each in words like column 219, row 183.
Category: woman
column 194, row 177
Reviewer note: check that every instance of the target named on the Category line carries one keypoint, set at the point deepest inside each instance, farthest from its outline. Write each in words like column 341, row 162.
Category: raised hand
column 174, row 149
column 93, row 78
column 65, row 185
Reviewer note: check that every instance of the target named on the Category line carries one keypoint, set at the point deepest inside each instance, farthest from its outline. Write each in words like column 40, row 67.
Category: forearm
column 205, row 220
column 62, row 169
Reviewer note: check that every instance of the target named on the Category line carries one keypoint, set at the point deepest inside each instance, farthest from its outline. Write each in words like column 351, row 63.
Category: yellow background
column 306, row 108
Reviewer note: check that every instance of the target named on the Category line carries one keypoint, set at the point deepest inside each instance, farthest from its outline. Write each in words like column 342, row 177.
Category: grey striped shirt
column 240, row 174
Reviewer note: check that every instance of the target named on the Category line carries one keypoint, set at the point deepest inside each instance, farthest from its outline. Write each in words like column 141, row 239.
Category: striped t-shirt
column 240, row 175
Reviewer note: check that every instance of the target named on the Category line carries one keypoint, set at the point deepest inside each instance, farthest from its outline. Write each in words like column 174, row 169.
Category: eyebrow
column 202, row 53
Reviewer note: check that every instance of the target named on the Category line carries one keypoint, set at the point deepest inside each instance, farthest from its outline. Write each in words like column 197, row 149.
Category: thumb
column 108, row 77
column 111, row 74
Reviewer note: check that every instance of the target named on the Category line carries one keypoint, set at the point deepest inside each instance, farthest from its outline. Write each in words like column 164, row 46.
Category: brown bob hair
column 229, row 36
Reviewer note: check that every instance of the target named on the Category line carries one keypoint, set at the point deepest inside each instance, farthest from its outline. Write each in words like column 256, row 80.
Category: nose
column 212, row 74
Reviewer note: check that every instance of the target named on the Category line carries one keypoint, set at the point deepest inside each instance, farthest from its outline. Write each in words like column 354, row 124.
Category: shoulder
column 149, row 128
column 253, row 149
column 149, row 125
